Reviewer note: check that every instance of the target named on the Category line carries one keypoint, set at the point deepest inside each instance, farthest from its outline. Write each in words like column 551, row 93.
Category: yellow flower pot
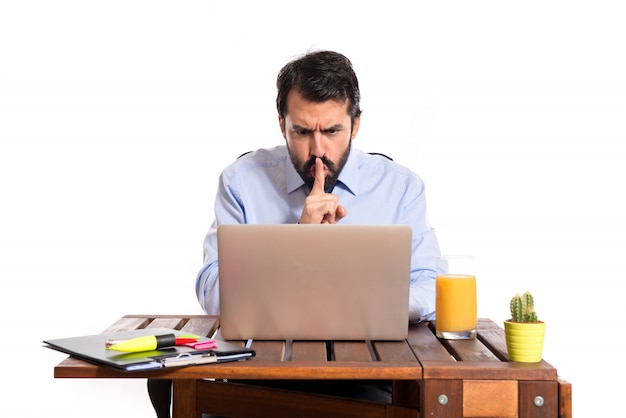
column 524, row 341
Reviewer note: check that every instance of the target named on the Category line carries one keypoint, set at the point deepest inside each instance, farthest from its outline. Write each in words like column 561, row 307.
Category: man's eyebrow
column 300, row 128
column 335, row 127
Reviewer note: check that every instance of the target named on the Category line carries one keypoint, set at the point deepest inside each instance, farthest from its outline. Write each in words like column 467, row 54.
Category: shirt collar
column 349, row 176
column 292, row 178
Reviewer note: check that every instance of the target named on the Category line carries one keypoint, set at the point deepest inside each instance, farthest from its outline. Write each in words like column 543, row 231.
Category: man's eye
column 332, row 132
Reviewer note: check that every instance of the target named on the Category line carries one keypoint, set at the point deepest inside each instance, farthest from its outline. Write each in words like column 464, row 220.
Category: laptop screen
column 314, row 282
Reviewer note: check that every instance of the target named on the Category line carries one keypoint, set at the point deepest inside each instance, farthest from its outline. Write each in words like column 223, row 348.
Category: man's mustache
column 311, row 163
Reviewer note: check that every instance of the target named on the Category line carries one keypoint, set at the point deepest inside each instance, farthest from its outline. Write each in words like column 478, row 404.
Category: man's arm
column 423, row 272
column 424, row 253
column 207, row 284
column 227, row 210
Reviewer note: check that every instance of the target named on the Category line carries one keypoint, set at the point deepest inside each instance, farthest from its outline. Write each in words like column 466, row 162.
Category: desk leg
column 184, row 399
column 538, row 399
column 441, row 398
column 565, row 398
column 406, row 393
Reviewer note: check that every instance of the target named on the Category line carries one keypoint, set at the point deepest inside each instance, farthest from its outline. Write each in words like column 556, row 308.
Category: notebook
column 314, row 282
column 91, row 348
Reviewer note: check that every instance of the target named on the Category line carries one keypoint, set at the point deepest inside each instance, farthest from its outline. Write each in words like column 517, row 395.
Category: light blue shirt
column 263, row 187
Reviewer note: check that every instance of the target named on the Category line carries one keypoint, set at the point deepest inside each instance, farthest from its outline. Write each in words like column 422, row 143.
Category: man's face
column 317, row 130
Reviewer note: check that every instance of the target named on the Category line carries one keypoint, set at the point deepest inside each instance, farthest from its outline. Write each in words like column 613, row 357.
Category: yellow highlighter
column 147, row 343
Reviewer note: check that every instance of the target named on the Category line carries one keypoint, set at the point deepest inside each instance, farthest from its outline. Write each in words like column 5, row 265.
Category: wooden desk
column 438, row 378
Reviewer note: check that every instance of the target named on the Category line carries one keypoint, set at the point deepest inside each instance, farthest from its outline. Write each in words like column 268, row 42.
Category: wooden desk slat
column 269, row 351
column 205, row 327
column 469, row 350
column 394, row 351
column 351, row 351
column 493, row 337
column 488, row 370
column 127, row 323
column 425, row 345
column 308, row 351
column 173, row 323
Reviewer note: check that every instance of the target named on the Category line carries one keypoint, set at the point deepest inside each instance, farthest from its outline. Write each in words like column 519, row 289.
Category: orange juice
column 456, row 306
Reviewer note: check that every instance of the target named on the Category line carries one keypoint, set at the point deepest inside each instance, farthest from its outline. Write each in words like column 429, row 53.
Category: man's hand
column 321, row 207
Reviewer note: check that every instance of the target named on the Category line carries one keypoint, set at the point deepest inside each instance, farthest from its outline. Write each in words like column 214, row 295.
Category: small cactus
column 522, row 308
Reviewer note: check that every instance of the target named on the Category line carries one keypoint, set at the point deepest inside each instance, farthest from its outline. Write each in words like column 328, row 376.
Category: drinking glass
column 456, row 313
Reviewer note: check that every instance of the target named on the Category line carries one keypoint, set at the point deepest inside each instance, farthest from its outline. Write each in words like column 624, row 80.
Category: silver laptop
column 314, row 282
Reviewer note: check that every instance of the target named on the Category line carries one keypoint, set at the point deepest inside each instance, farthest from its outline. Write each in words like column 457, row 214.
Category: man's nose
column 317, row 144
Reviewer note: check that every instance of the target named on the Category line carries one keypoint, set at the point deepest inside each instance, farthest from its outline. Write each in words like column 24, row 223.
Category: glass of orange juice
column 455, row 309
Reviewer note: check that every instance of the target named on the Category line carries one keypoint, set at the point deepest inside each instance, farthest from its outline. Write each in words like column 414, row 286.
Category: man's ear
column 281, row 123
column 355, row 127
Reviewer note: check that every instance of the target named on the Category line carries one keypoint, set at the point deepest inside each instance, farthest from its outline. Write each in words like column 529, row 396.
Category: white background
column 116, row 118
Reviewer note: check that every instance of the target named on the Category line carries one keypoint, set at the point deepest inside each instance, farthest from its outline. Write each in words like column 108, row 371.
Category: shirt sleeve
column 227, row 210
column 424, row 256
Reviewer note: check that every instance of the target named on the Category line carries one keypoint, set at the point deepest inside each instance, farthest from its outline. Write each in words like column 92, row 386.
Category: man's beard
column 304, row 169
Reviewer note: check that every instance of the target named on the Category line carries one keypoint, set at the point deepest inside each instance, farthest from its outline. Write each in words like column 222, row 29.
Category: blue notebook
column 92, row 348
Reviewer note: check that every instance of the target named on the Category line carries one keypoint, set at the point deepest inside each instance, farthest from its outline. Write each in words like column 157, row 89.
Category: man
column 318, row 177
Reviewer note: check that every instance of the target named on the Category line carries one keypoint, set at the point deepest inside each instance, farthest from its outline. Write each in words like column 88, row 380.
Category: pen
column 149, row 343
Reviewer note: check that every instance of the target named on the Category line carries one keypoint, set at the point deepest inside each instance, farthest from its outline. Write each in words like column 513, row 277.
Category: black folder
column 92, row 348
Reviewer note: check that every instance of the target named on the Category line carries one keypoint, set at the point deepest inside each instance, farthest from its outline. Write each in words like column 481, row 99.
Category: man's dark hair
column 318, row 77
